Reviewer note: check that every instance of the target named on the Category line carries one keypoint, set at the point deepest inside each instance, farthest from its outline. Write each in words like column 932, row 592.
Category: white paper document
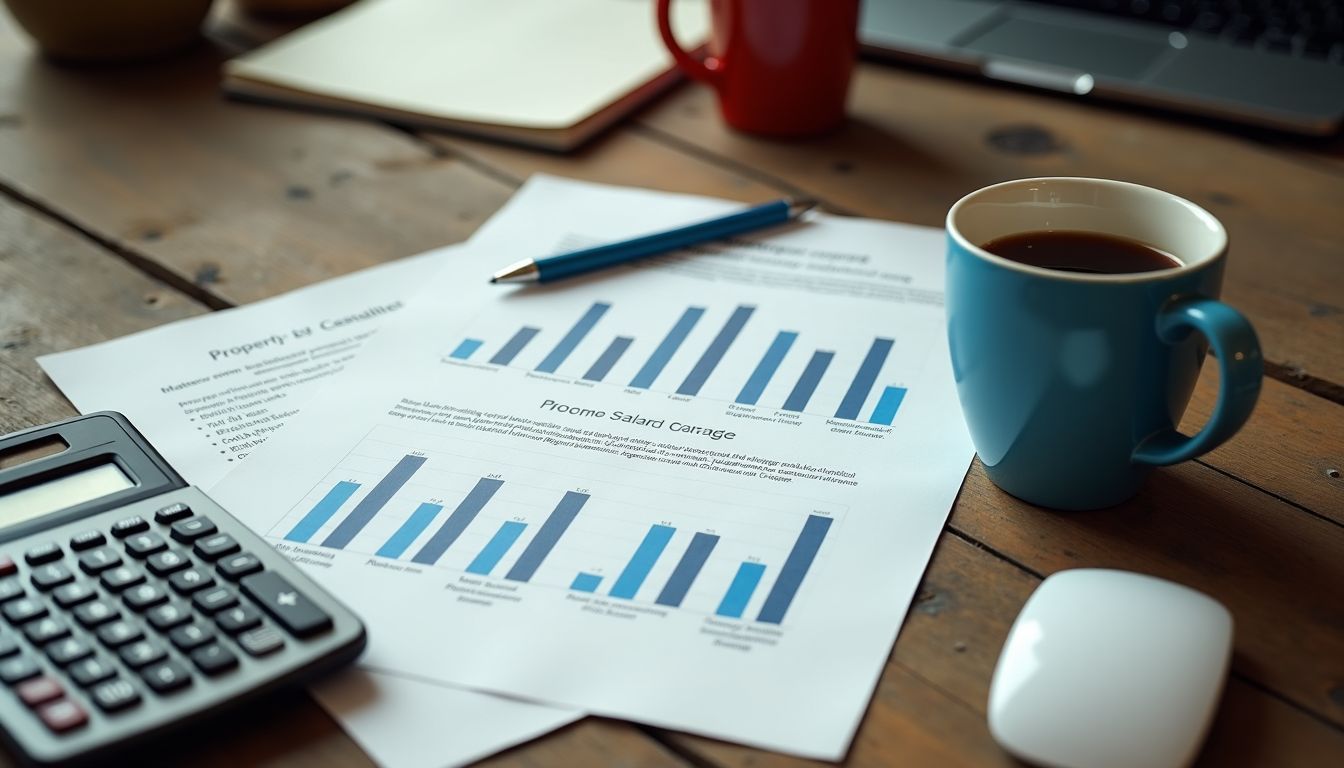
column 697, row 492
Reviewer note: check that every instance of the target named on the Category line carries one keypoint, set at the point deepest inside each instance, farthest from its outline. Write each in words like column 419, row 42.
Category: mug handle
column 1240, row 368
column 708, row 72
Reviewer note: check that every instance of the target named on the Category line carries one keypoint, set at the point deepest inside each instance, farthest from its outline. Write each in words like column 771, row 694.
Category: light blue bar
column 370, row 504
column 650, row 549
column 586, row 582
column 795, row 568
column 807, row 383
column 739, row 592
column 717, row 349
column 572, row 339
column 688, row 567
column 514, row 345
column 887, row 405
column 766, row 368
column 603, row 365
column 669, row 346
column 458, row 521
column 322, row 511
column 863, row 380
column 465, row 349
column 551, row 531
column 414, row 526
column 496, row 548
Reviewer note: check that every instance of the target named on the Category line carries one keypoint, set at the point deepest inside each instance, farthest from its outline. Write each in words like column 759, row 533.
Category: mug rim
column 1219, row 251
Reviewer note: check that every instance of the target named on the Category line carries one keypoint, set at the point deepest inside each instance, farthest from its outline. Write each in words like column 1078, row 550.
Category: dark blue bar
column 545, row 540
column 885, row 412
column 322, row 511
column 414, row 526
column 795, row 568
column 739, row 592
column 603, row 365
column 669, row 346
column 369, row 505
column 496, row 548
column 572, row 339
column 457, row 522
column 688, row 567
column 766, row 368
column 514, row 345
column 465, row 349
column 863, row 380
column 717, row 349
column 585, row 582
column 650, row 549
column 807, row 383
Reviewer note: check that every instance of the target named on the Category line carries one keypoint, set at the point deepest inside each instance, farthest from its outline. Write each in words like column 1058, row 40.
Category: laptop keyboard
column 1307, row 28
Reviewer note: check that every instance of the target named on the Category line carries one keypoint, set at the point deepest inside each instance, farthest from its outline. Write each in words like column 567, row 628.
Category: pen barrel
column 589, row 259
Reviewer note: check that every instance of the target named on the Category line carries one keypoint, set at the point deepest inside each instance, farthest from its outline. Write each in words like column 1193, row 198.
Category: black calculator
column 130, row 602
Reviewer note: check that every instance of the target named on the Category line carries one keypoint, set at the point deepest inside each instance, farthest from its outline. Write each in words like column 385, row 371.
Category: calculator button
column 167, row 676
column 261, row 641
column 8, row 645
column 118, row 633
column 121, row 577
column 172, row 513
column 48, row 577
column 115, row 695
column 45, row 630
column 10, row 589
column 43, row 553
column 215, row 547
column 95, row 613
column 142, row 545
column 165, row 563
column 238, row 619
column 142, row 597
column 94, row 669
column 214, row 599
column 68, row 651
column 214, row 659
column 87, row 540
column 142, row 653
column 7, row 566
column 95, row 561
column 235, row 567
column 191, row 636
column 23, row 609
column 167, row 616
column 287, row 605
column 123, row 528
column 193, row 528
column 39, row 690
column 190, row 580
column 73, row 594
column 63, row 715
column 18, row 669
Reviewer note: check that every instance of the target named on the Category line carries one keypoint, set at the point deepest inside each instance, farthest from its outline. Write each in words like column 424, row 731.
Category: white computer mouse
column 1110, row 669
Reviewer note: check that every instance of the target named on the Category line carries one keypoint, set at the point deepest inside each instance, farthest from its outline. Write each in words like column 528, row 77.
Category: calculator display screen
column 65, row 491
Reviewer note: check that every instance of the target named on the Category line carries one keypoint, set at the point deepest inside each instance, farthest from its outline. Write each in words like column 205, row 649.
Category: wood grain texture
column 594, row 741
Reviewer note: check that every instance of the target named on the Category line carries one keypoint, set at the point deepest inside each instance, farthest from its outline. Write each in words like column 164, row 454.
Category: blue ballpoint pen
column 550, row 268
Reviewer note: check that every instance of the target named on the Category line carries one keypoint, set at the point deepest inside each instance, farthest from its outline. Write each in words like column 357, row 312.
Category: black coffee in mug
column 1073, row 251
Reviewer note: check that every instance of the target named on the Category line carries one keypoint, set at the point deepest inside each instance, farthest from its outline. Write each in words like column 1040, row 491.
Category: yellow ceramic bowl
column 103, row 30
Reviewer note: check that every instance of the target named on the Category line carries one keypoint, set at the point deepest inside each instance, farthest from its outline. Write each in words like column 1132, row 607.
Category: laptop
column 1271, row 63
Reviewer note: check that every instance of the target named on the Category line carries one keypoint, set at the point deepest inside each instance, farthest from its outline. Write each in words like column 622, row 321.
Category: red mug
column 780, row 67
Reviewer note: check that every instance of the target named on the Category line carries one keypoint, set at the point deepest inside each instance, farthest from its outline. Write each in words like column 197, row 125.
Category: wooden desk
column 135, row 196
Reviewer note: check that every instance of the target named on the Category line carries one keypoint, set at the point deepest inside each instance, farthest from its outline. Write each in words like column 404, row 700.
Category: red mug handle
column 709, row 71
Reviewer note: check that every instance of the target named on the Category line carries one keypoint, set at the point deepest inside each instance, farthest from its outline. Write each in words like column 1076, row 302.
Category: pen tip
column 494, row 280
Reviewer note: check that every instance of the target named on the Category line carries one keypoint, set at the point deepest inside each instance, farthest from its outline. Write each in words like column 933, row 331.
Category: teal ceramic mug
column 1072, row 383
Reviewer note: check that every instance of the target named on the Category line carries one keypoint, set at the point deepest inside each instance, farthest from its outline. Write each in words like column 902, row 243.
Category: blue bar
column 807, row 383
column 863, row 380
column 669, row 346
column 322, row 511
column 550, row 533
column 795, row 568
column 572, row 339
column 457, row 522
column 650, row 549
column 766, row 368
column 885, row 412
column 739, row 592
column 717, row 349
column 514, row 345
column 465, row 349
column 603, row 365
column 496, row 548
column 586, row 582
column 414, row 526
column 688, row 567
column 369, row 505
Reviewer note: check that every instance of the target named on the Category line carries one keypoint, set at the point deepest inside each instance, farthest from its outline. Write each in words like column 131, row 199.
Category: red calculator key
column 39, row 690
column 63, row 715
column 7, row 566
